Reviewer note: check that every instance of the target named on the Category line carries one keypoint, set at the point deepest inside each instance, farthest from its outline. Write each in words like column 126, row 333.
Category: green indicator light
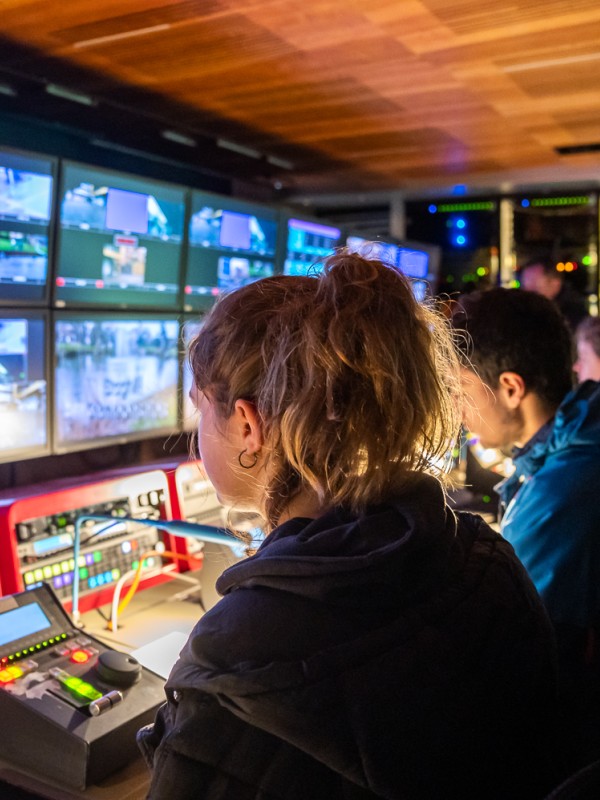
column 486, row 498
column 480, row 206
column 587, row 260
column 18, row 655
column 11, row 658
column 45, row 644
column 73, row 683
column 32, row 649
column 135, row 564
column 83, row 573
column 51, row 641
column 63, row 636
column 579, row 200
column 38, row 647
column 97, row 556
column 481, row 271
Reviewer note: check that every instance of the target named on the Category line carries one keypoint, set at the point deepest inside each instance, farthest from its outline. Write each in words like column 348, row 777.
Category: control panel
column 37, row 535
column 72, row 704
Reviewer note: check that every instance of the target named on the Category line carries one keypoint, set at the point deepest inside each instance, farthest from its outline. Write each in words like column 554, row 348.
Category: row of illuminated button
column 50, row 642
column 67, row 566
column 61, row 567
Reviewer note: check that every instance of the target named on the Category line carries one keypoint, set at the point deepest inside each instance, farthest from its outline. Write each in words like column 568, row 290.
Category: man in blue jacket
column 517, row 373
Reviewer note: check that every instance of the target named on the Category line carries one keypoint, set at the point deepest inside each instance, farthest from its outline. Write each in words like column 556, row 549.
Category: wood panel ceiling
column 341, row 95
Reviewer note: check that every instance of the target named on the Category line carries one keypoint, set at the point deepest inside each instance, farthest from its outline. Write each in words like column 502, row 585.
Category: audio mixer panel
column 37, row 535
column 70, row 706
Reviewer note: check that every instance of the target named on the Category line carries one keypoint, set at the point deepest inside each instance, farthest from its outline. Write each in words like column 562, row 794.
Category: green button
column 97, row 556
column 83, row 573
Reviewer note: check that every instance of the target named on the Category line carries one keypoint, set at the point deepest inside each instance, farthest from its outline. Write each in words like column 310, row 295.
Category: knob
column 118, row 668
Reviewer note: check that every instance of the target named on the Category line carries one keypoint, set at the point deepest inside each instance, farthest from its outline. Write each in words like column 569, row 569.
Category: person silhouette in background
column 377, row 644
column 541, row 276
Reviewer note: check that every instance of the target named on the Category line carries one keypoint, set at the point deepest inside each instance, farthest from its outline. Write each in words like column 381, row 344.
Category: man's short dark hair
column 511, row 330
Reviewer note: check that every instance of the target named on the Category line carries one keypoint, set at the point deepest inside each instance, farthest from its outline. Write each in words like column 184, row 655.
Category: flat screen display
column 21, row 622
column 308, row 243
column 231, row 244
column 23, row 412
column 114, row 378
column 120, row 241
column 413, row 263
column 25, row 210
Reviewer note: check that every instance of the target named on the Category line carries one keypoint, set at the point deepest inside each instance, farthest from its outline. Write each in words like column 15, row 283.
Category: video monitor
column 23, row 385
column 191, row 327
column 119, row 241
column 26, row 189
column 231, row 243
column 308, row 243
column 115, row 378
column 413, row 263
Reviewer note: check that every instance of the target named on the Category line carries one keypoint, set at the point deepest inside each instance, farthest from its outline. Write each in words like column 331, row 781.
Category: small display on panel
column 115, row 378
column 120, row 241
column 308, row 243
column 23, row 412
column 231, row 244
column 25, row 210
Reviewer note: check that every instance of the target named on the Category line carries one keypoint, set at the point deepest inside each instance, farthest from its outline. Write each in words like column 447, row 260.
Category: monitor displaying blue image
column 26, row 186
column 411, row 262
column 120, row 241
column 308, row 244
column 231, row 243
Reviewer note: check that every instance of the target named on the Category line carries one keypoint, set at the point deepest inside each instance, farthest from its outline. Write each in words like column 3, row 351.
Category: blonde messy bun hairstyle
column 355, row 382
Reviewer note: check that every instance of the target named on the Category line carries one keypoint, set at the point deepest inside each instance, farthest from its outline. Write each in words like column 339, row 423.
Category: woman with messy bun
column 376, row 644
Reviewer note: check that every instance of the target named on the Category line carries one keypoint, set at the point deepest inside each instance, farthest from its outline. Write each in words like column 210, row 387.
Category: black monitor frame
column 125, row 304
column 37, row 450
column 203, row 303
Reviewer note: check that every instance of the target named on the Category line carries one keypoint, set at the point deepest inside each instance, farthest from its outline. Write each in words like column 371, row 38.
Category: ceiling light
column 179, row 138
column 114, row 37
column 554, row 62
column 280, row 162
column 8, row 90
column 238, row 148
column 68, row 94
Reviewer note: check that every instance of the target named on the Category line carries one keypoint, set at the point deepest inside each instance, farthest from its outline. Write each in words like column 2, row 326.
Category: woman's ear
column 249, row 426
column 512, row 389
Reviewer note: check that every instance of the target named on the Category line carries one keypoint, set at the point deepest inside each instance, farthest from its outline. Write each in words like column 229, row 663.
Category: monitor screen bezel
column 98, row 305
column 59, row 448
column 34, row 451
column 54, row 162
column 235, row 205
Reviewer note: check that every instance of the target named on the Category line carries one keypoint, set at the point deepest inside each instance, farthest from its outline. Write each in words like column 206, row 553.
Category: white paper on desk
column 161, row 655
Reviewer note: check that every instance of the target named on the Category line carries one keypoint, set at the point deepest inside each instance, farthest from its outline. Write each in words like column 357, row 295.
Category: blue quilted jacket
column 552, row 509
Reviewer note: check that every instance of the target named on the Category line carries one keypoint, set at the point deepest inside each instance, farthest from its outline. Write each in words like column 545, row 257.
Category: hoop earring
column 247, row 466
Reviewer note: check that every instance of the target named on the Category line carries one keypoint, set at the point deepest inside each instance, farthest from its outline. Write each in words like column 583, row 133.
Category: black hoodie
column 400, row 654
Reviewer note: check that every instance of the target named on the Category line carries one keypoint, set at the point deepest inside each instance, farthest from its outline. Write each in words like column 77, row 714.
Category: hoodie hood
column 337, row 557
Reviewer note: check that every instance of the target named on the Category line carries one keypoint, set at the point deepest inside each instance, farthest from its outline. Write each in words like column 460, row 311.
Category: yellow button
column 56, row 569
column 28, row 578
column 47, row 572
column 39, row 575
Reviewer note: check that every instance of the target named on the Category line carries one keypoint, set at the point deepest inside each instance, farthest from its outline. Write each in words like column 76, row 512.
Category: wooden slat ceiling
column 356, row 95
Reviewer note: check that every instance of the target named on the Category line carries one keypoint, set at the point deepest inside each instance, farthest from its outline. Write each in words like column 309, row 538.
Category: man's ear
column 512, row 389
column 249, row 426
